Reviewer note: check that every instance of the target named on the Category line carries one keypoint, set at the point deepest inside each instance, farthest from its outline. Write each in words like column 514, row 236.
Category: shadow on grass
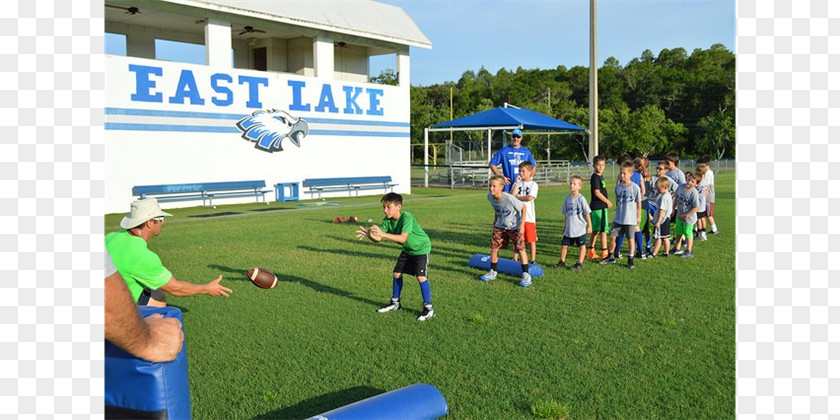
column 317, row 405
column 329, row 289
column 343, row 252
column 233, row 274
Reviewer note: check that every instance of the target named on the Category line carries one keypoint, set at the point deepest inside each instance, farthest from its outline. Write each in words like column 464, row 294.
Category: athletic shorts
column 684, row 229
column 413, row 265
column 701, row 214
column 501, row 238
column 148, row 294
column 645, row 219
column 600, row 220
column 663, row 231
column 628, row 231
column 579, row 241
column 530, row 232
column 710, row 209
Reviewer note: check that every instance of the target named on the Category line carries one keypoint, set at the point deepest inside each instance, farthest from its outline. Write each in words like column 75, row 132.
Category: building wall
column 171, row 123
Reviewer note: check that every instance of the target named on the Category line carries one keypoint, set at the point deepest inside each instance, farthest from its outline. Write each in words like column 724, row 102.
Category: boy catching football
column 401, row 227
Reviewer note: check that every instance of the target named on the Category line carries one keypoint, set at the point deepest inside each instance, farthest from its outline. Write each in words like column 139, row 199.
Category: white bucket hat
column 142, row 211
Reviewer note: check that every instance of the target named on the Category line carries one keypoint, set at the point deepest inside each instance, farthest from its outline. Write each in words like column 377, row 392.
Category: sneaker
column 675, row 251
column 643, row 255
column 638, row 254
column 526, row 280
column 703, row 235
column 608, row 260
column 630, row 262
column 560, row 264
column 591, row 254
column 618, row 255
column 491, row 275
column 428, row 312
column 688, row 254
column 714, row 232
column 393, row 306
column 577, row 267
column 605, row 253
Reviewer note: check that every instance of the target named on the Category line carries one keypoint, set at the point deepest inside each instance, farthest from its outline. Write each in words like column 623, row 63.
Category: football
column 262, row 278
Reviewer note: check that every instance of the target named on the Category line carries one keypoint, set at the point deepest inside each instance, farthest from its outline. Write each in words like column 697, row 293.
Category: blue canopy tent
column 502, row 118
column 510, row 118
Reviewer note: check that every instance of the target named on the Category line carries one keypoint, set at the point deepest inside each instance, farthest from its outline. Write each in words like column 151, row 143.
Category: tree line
column 651, row 106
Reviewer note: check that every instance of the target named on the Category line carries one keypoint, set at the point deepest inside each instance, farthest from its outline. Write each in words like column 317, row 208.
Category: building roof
column 358, row 18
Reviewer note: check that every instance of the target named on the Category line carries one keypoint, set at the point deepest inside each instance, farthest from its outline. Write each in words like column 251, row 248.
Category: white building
column 169, row 122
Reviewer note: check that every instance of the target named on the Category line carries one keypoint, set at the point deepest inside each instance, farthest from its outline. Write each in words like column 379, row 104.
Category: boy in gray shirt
column 508, row 226
column 628, row 213
column 688, row 203
column 662, row 205
column 578, row 223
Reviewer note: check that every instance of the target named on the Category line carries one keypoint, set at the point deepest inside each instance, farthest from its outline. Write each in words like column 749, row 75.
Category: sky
column 534, row 34
column 468, row 34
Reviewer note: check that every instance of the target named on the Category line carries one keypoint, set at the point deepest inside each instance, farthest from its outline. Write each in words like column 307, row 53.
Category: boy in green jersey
column 401, row 227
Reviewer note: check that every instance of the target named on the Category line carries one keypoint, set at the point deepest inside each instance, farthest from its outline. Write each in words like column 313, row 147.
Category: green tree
column 719, row 134
column 386, row 77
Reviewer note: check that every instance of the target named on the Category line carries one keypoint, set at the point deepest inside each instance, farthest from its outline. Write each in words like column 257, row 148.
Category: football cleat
column 393, row 306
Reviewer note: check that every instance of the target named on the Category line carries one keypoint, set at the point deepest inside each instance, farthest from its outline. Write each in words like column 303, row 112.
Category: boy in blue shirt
column 510, row 157
column 401, row 227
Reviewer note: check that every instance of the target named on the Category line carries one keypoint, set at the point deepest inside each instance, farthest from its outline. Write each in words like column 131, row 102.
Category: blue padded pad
column 507, row 266
column 137, row 388
column 414, row 402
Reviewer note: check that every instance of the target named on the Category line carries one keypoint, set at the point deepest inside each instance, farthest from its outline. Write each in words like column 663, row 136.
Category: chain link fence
column 474, row 174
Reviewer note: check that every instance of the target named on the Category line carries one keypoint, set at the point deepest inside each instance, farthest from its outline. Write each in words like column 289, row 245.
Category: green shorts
column 684, row 230
column 600, row 220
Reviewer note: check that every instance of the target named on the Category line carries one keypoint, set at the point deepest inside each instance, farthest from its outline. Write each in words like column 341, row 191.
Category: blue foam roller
column 135, row 388
column 507, row 266
column 414, row 402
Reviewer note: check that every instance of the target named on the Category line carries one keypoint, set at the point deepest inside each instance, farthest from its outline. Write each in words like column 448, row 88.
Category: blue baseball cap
column 517, row 132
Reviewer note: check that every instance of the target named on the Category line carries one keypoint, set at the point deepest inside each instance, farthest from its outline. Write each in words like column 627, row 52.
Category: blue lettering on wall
column 253, row 90
column 143, row 84
column 296, row 105
column 374, row 101
column 352, row 107
column 186, row 89
column 326, row 101
column 223, row 91
column 214, row 83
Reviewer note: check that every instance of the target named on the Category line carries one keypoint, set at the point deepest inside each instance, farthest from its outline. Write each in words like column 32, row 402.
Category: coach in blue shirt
column 510, row 157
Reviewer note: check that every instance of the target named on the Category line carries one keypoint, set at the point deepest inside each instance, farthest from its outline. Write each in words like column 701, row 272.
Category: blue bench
column 204, row 191
column 349, row 184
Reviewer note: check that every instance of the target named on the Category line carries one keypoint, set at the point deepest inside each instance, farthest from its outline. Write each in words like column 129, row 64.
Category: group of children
column 645, row 207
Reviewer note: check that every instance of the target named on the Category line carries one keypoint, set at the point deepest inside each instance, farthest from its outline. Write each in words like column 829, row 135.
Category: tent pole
column 426, row 157
column 489, row 155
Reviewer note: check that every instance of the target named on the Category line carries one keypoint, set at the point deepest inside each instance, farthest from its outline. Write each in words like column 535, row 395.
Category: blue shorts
column 579, row 241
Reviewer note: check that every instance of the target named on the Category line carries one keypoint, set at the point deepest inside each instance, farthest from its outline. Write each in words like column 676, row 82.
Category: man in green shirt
column 401, row 227
column 146, row 277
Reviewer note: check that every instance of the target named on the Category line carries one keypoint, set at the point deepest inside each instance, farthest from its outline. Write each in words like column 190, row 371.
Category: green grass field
column 607, row 342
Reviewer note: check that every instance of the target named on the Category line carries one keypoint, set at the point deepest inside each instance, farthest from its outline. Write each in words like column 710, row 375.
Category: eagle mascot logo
column 268, row 128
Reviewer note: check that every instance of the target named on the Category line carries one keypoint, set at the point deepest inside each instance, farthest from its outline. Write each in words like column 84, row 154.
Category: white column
column 324, row 57
column 140, row 43
column 403, row 69
column 217, row 43
column 593, row 79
